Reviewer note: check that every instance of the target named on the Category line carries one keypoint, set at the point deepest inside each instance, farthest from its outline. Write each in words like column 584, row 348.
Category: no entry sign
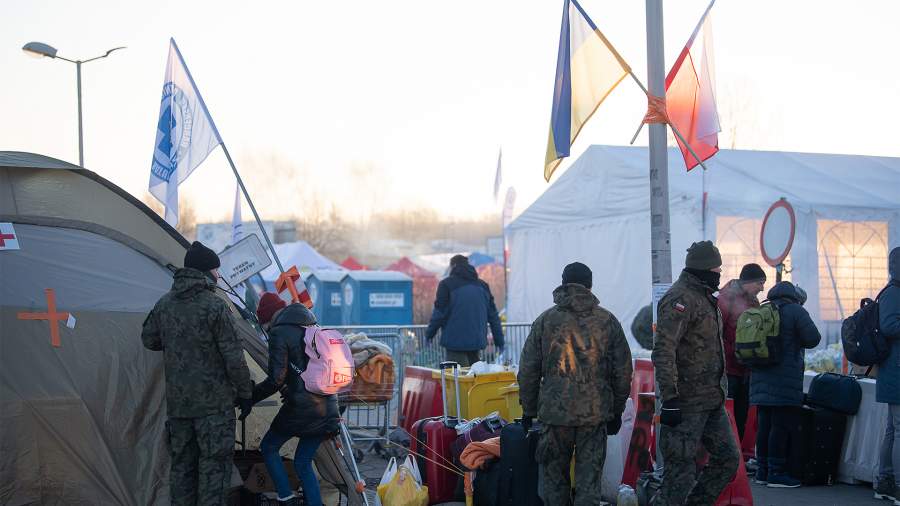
column 777, row 234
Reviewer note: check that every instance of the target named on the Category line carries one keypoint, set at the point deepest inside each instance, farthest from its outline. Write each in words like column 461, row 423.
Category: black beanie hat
column 752, row 272
column 703, row 255
column 578, row 273
column 201, row 258
column 458, row 260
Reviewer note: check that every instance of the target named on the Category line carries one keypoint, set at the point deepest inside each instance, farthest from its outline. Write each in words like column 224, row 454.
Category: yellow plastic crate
column 511, row 393
column 479, row 394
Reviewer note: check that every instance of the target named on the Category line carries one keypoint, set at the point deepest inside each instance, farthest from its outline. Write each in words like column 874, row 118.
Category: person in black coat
column 777, row 390
column 305, row 415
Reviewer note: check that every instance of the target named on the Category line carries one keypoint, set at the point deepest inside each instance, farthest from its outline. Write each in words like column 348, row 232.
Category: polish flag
column 691, row 95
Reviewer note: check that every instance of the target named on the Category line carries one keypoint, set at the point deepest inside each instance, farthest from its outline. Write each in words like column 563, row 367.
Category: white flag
column 237, row 224
column 508, row 207
column 185, row 134
column 498, row 178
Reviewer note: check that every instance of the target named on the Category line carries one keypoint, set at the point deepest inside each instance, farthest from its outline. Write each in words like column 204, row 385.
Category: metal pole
column 80, row 126
column 252, row 208
column 660, row 247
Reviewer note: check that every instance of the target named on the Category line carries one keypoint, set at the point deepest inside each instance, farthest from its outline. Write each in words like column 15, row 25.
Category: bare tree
column 187, row 214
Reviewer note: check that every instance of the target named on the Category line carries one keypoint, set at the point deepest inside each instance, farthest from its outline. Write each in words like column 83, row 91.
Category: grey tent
column 82, row 403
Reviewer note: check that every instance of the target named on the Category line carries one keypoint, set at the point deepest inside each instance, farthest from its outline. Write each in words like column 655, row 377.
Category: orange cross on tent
column 51, row 316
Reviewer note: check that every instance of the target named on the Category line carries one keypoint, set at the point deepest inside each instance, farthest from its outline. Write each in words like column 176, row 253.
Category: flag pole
column 660, row 236
column 252, row 208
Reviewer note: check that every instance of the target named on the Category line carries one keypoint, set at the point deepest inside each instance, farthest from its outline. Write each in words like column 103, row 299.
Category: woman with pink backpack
column 306, row 415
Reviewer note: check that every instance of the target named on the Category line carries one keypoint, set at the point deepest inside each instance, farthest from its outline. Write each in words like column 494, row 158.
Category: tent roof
column 410, row 268
column 353, row 264
column 30, row 193
column 477, row 259
column 301, row 254
column 378, row 276
column 328, row 276
column 607, row 181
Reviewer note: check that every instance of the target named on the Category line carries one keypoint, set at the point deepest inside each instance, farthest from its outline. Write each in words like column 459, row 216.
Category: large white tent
column 598, row 212
column 301, row 255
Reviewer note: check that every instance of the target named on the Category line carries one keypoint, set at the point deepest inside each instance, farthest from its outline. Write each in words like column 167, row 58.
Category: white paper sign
column 386, row 299
column 659, row 289
column 8, row 238
column 336, row 299
column 243, row 259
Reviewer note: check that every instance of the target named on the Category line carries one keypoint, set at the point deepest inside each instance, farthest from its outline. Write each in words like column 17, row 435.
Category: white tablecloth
column 862, row 441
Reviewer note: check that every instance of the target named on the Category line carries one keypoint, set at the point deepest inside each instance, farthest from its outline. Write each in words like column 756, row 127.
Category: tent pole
column 252, row 208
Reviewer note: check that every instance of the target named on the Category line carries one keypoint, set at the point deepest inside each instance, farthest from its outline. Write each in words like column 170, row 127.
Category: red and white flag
column 691, row 94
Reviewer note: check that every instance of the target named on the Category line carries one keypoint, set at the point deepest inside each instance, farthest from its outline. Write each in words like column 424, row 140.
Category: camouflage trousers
column 679, row 445
column 554, row 453
column 201, row 450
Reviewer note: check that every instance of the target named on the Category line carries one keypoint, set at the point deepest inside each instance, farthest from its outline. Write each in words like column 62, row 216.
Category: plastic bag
column 617, row 454
column 403, row 490
column 626, row 496
column 482, row 367
column 389, row 473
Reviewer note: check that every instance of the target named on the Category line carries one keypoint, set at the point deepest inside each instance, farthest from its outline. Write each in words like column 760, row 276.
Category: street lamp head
column 39, row 50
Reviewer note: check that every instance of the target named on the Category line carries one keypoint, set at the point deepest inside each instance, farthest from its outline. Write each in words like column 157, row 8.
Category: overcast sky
column 423, row 92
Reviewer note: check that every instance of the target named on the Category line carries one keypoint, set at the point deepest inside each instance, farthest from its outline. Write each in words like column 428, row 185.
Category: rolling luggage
column 835, row 392
column 815, row 450
column 432, row 439
column 519, row 469
column 484, row 429
column 486, row 486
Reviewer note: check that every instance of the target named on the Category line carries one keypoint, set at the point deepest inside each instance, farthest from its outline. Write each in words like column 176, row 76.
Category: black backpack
column 861, row 336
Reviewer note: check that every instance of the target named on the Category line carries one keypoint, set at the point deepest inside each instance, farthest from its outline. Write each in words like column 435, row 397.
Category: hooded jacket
column 576, row 364
column 303, row 414
column 463, row 308
column 733, row 301
column 782, row 384
column 204, row 360
column 888, row 388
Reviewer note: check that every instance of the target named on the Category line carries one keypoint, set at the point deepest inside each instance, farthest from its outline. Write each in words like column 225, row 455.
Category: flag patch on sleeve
column 680, row 307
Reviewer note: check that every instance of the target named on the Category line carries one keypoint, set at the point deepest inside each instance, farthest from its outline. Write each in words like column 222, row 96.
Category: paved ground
column 372, row 467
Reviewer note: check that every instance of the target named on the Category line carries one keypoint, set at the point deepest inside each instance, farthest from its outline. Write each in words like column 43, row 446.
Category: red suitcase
column 431, row 442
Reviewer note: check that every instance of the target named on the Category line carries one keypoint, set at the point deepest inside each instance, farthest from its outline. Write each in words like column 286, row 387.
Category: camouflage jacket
column 205, row 368
column 576, row 364
column 688, row 356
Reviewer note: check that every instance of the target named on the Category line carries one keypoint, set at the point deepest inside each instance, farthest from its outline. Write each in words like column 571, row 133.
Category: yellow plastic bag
column 403, row 490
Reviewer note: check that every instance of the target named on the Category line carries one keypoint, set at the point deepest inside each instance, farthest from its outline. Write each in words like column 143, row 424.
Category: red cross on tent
column 51, row 316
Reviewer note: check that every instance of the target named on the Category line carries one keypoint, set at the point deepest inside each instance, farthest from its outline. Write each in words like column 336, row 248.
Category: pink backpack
column 330, row 367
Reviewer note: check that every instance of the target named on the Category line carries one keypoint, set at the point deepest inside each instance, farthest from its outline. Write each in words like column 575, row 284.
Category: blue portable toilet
column 377, row 298
column 325, row 291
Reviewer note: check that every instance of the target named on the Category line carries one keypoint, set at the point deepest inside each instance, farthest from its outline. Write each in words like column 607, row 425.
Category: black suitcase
column 519, row 469
column 835, row 392
column 486, row 486
column 815, row 448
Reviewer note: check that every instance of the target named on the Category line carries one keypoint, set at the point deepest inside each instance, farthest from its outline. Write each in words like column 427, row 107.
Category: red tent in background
column 424, row 287
column 353, row 264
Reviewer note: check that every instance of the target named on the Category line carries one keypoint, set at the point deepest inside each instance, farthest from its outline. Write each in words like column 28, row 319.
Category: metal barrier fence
column 410, row 347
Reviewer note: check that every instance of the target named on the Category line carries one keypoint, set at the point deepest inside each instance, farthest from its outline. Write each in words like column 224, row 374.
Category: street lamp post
column 41, row 50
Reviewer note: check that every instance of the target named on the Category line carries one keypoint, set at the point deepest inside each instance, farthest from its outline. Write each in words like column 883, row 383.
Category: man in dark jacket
column 737, row 296
column 888, row 388
column 205, row 372
column 304, row 415
column 575, row 376
column 689, row 363
column 463, row 308
column 777, row 390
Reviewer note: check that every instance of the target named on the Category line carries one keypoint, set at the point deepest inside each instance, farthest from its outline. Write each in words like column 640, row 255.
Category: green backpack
column 754, row 345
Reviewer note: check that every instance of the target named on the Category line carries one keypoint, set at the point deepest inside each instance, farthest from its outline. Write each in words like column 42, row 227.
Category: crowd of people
column 574, row 377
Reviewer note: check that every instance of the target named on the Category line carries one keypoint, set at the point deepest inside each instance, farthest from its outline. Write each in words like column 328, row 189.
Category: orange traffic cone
column 639, row 457
column 737, row 493
column 643, row 379
column 748, row 444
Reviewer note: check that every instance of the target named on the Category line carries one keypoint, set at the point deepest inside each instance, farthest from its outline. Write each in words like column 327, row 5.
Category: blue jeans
column 306, row 450
column 889, row 461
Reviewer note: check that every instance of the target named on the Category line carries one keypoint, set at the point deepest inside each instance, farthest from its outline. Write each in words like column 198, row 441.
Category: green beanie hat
column 703, row 255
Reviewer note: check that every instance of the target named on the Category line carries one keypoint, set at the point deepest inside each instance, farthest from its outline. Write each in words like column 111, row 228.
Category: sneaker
column 751, row 466
column 885, row 489
column 762, row 476
column 782, row 480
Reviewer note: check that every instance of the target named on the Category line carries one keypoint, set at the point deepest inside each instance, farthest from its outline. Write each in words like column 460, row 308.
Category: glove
column 671, row 413
column 526, row 423
column 613, row 426
column 246, row 406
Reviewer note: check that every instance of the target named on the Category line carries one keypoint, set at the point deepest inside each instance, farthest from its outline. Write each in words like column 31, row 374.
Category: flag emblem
column 173, row 132
column 680, row 307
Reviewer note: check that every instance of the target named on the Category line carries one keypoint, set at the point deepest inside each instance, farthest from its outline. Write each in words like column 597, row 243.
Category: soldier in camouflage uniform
column 575, row 376
column 205, row 372
column 689, row 362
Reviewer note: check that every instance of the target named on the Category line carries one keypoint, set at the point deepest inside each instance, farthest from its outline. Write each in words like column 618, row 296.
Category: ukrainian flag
column 587, row 70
